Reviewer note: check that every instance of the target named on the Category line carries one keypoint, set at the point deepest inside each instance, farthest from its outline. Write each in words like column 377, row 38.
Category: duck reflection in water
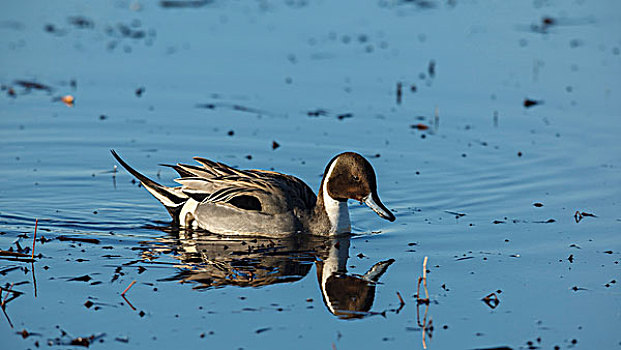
column 347, row 295
column 211, row 261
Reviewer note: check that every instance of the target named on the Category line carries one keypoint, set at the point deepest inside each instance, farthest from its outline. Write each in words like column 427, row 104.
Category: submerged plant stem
column 35, row 238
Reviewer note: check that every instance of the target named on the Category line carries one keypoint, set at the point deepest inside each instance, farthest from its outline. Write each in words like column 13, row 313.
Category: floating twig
column 419, row 126
column 14, row 254
column 10, row 295
column 231, row 106
column 423, row 279
column 426, row 326
column 35, row 238
column 457, row 214
column 401, row 303
column 8, row 291
column 78, row 239
column 128, row 303
column 400, row 299
column 34, row 279
column 427, row 330
column 7, row 317
column 28, row 85
column 578, row 215
column 7, row 270
column 128, row 287
column 491, row 300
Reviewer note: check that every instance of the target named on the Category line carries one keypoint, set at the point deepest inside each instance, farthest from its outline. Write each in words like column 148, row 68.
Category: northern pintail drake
column 223, row 200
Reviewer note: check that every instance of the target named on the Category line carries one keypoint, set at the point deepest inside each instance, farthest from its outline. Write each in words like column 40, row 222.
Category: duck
column 220, row 199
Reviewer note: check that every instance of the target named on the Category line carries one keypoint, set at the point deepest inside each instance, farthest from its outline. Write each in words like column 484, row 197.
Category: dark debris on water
column 78, row 239
column 77, row 341
column 578, row 215
column 32, row 85
column 549, row 221
column 81, row 22
column 84, row 278
column 231, row 106
column 179, row 4
column 320, row 112
column 531, row 103
column 491, row 300
column 261, row 330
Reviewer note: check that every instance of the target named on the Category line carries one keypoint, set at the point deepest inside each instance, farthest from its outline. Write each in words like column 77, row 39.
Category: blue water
column 465, row 69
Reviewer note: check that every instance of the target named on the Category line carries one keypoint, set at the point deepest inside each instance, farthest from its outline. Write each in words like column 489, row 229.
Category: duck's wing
column 186, row 170
column 267, row 192
column 298, row 189
column 208, row 169
column 225, row 190
column 218, row 169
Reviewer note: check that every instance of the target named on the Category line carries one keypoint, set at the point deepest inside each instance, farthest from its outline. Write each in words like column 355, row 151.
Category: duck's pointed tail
column 172, row 199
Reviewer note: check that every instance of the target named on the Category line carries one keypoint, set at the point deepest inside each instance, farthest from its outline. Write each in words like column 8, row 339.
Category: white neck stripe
column 337, row 211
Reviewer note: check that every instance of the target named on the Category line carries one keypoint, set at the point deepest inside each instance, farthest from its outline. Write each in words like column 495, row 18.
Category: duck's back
column 233, row 201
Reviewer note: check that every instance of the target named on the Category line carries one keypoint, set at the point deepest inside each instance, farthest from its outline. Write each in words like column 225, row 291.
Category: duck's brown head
column 350, row 176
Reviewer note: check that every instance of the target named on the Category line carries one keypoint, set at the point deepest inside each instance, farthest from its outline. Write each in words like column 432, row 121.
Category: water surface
column 460, row 158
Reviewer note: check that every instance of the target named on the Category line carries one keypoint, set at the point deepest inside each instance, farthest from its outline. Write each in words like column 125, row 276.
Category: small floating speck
column 530, row 103
column 68, row 100
column 261, row 330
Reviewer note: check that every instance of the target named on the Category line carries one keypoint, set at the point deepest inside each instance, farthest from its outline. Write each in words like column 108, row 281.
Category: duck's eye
column 355, row 178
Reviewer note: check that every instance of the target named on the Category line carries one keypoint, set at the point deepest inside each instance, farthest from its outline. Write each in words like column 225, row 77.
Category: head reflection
column 347, row 296
column 211, row 261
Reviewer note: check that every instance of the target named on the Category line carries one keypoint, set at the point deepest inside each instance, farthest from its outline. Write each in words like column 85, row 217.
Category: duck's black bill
column 373, row 202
